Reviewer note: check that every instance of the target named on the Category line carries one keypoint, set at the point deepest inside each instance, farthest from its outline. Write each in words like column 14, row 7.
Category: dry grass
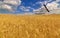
column 26, row 26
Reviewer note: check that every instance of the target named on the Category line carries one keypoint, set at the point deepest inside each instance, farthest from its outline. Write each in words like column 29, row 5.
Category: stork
column 46, row 8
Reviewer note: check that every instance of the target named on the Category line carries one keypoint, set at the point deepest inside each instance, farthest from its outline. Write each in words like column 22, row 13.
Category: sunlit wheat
column 29, row 26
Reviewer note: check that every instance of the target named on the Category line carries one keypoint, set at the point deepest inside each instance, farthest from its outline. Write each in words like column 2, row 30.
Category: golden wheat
column 29, row 26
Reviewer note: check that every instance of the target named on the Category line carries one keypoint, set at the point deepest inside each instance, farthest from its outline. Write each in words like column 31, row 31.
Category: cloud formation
column 9, row 5
column 53, row 8
column 26, row 9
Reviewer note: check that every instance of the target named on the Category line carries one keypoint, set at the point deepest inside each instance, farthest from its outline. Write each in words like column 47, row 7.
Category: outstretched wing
column 46, row 8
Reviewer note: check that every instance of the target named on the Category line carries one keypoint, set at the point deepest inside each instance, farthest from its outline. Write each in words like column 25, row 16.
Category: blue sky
column 33, row 4
column 20, row 6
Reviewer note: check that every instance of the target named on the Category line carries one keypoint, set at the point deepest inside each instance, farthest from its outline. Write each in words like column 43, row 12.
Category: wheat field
column 29, row 26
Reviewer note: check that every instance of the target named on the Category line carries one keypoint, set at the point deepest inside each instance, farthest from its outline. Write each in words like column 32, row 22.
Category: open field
column 26, row 26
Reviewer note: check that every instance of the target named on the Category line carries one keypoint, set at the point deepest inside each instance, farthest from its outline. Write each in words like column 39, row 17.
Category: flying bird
column 46, row 8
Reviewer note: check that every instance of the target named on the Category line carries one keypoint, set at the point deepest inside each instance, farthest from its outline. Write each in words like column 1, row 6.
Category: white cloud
column 13, row 2
column 53, row 7
column 9, row 5
column 28, row 13
column 41, row 10
column 24, row 8
column 6, row 7
column 57, row 0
